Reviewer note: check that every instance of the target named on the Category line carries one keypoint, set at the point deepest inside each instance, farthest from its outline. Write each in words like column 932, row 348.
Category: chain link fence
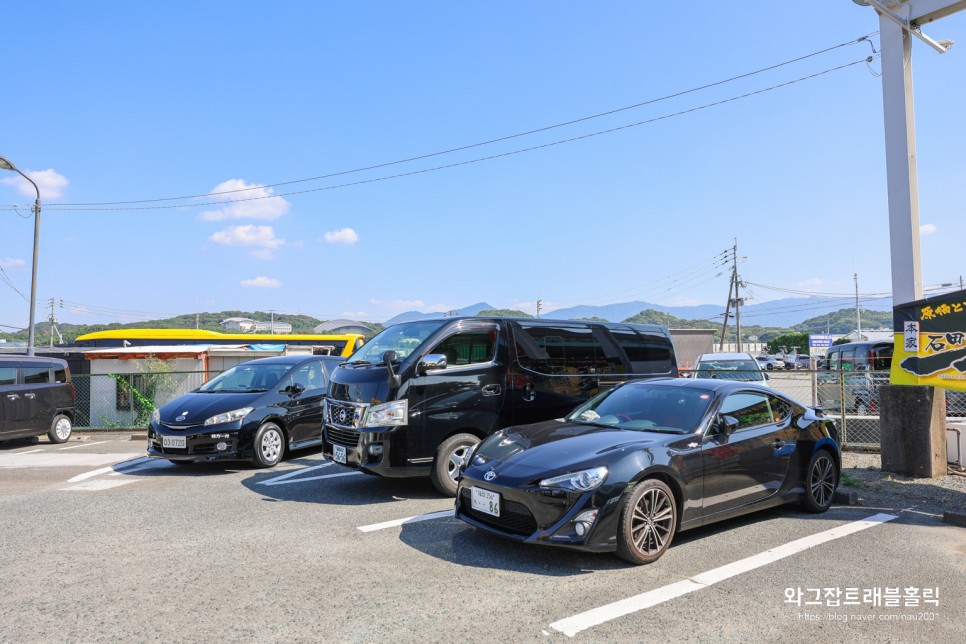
column 126, row 401
column 851, row 397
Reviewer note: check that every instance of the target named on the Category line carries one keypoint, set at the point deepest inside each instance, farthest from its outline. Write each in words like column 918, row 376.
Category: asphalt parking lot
column 102, row 544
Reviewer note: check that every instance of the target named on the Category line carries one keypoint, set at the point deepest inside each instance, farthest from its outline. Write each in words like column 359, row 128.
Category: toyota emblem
column 489, row 476
column 183, row 415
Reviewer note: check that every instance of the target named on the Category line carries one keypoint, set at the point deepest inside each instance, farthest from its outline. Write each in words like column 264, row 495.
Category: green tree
column 789, row 342
column 504, row 313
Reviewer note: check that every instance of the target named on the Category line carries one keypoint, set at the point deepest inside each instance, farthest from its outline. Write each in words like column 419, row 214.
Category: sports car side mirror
column 726, row 425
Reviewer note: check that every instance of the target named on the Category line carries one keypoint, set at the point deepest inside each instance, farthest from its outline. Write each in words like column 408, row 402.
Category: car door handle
column 491, row 390
column 31, row 396
column 12, row 396
column 529, row 392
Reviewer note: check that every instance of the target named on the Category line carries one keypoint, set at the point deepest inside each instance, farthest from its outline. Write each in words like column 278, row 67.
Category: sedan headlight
column 386, row 414
column 582, row 481
column 229, row 416
column 156, row 416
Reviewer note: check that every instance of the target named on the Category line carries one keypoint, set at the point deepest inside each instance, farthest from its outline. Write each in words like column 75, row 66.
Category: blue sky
column 119, row 102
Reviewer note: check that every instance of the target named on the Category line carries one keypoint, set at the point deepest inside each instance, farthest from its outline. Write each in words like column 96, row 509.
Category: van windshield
column 401, row 338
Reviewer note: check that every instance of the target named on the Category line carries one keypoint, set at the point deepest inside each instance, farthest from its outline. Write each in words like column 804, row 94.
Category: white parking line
column 573, row 625
column 97, row 486
column 314, row 478
column 398, row 522
column 33, row 451
column 107, row 470
column 81, row 445
column 289, row 475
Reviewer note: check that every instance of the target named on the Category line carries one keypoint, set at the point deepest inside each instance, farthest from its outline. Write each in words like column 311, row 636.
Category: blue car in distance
column 254, row 411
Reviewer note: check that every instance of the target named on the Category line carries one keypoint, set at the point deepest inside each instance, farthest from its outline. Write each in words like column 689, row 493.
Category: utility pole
column 858, row 311
column 52, row 320
column 736, row 301
column 539, row 303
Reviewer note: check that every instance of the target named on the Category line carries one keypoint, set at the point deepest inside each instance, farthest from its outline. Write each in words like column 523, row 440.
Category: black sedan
column 254, row 411
column 647, row 459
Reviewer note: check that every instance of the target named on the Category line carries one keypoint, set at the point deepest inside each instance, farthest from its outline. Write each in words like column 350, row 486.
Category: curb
column 846, row 496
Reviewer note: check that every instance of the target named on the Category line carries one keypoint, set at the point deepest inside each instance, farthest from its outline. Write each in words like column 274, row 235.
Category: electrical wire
column 64, row 207
column 499, row 139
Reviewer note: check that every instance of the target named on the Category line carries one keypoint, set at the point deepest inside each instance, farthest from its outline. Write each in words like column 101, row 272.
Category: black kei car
column 640, row 462
column 253, row 411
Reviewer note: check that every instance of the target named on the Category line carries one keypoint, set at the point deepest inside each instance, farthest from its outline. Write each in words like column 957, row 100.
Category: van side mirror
column 293, row 390
column 431, row 361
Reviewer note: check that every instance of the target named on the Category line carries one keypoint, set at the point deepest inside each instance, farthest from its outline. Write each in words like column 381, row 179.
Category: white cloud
column 354, row 315
column 253, row 202
column 927, row 229
column 398, row 305
column 810, row 284
column 50, row 182
column 261, row 282
column 345, row 236
column 262, row 237
column 10, row 262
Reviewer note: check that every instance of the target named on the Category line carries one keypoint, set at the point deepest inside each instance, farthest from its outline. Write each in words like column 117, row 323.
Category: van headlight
column 582, row 481
column 388, row 414
column 229, row 416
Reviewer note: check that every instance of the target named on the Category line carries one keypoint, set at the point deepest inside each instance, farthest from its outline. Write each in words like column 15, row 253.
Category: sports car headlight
column 582, row 481
column 229, row 416
column 391, row 413
column 156, row 416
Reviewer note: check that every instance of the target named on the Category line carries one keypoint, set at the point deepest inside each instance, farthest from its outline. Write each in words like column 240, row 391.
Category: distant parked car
column 803, row 362
column 36, row 397
column 728, row 366
column 254, row 411
column 644, row 460
column 770, row 363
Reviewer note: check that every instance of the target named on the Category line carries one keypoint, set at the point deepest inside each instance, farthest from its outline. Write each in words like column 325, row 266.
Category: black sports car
column 638, row 463
column 255, row 410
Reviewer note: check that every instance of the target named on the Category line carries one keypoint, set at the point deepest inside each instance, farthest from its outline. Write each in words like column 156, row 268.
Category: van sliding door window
column 36, row 375
column 647, row 355
column 562, row 350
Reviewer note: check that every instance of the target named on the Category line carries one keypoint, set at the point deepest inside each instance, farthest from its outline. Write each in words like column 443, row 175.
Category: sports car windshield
column 401, row 338
column 245, row 378
column 647, row 408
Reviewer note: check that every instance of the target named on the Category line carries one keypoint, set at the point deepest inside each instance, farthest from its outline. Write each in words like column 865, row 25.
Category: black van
column 416, row 398
column 36, row 397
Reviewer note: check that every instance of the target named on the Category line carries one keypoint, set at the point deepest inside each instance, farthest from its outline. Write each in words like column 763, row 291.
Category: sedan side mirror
column 293, row 390
column 431, row 361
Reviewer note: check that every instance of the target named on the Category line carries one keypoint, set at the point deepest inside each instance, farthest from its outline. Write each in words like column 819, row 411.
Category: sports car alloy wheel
column 648, row 522
column 821, row 483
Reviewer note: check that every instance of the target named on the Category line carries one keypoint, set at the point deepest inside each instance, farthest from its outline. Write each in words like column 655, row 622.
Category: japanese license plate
column 338, row 454
column 485, row 501
column 176, row 442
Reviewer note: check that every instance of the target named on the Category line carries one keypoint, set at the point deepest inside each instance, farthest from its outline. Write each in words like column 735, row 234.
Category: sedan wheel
column 821, row 482
column 60, row 429
column 269, row 445
column 647, row 524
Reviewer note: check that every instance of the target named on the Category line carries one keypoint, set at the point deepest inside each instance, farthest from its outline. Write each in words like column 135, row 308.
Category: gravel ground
column 862, row 472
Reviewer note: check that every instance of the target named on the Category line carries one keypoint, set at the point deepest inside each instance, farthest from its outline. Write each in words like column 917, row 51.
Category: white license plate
column 485, row 501
column 338, row 454
column 176, row 442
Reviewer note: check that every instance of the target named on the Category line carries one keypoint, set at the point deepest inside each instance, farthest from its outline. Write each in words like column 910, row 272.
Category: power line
column 491, row 141
column 77, row 207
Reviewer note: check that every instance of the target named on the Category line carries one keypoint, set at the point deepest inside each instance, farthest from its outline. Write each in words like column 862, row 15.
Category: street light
column 5, row 164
